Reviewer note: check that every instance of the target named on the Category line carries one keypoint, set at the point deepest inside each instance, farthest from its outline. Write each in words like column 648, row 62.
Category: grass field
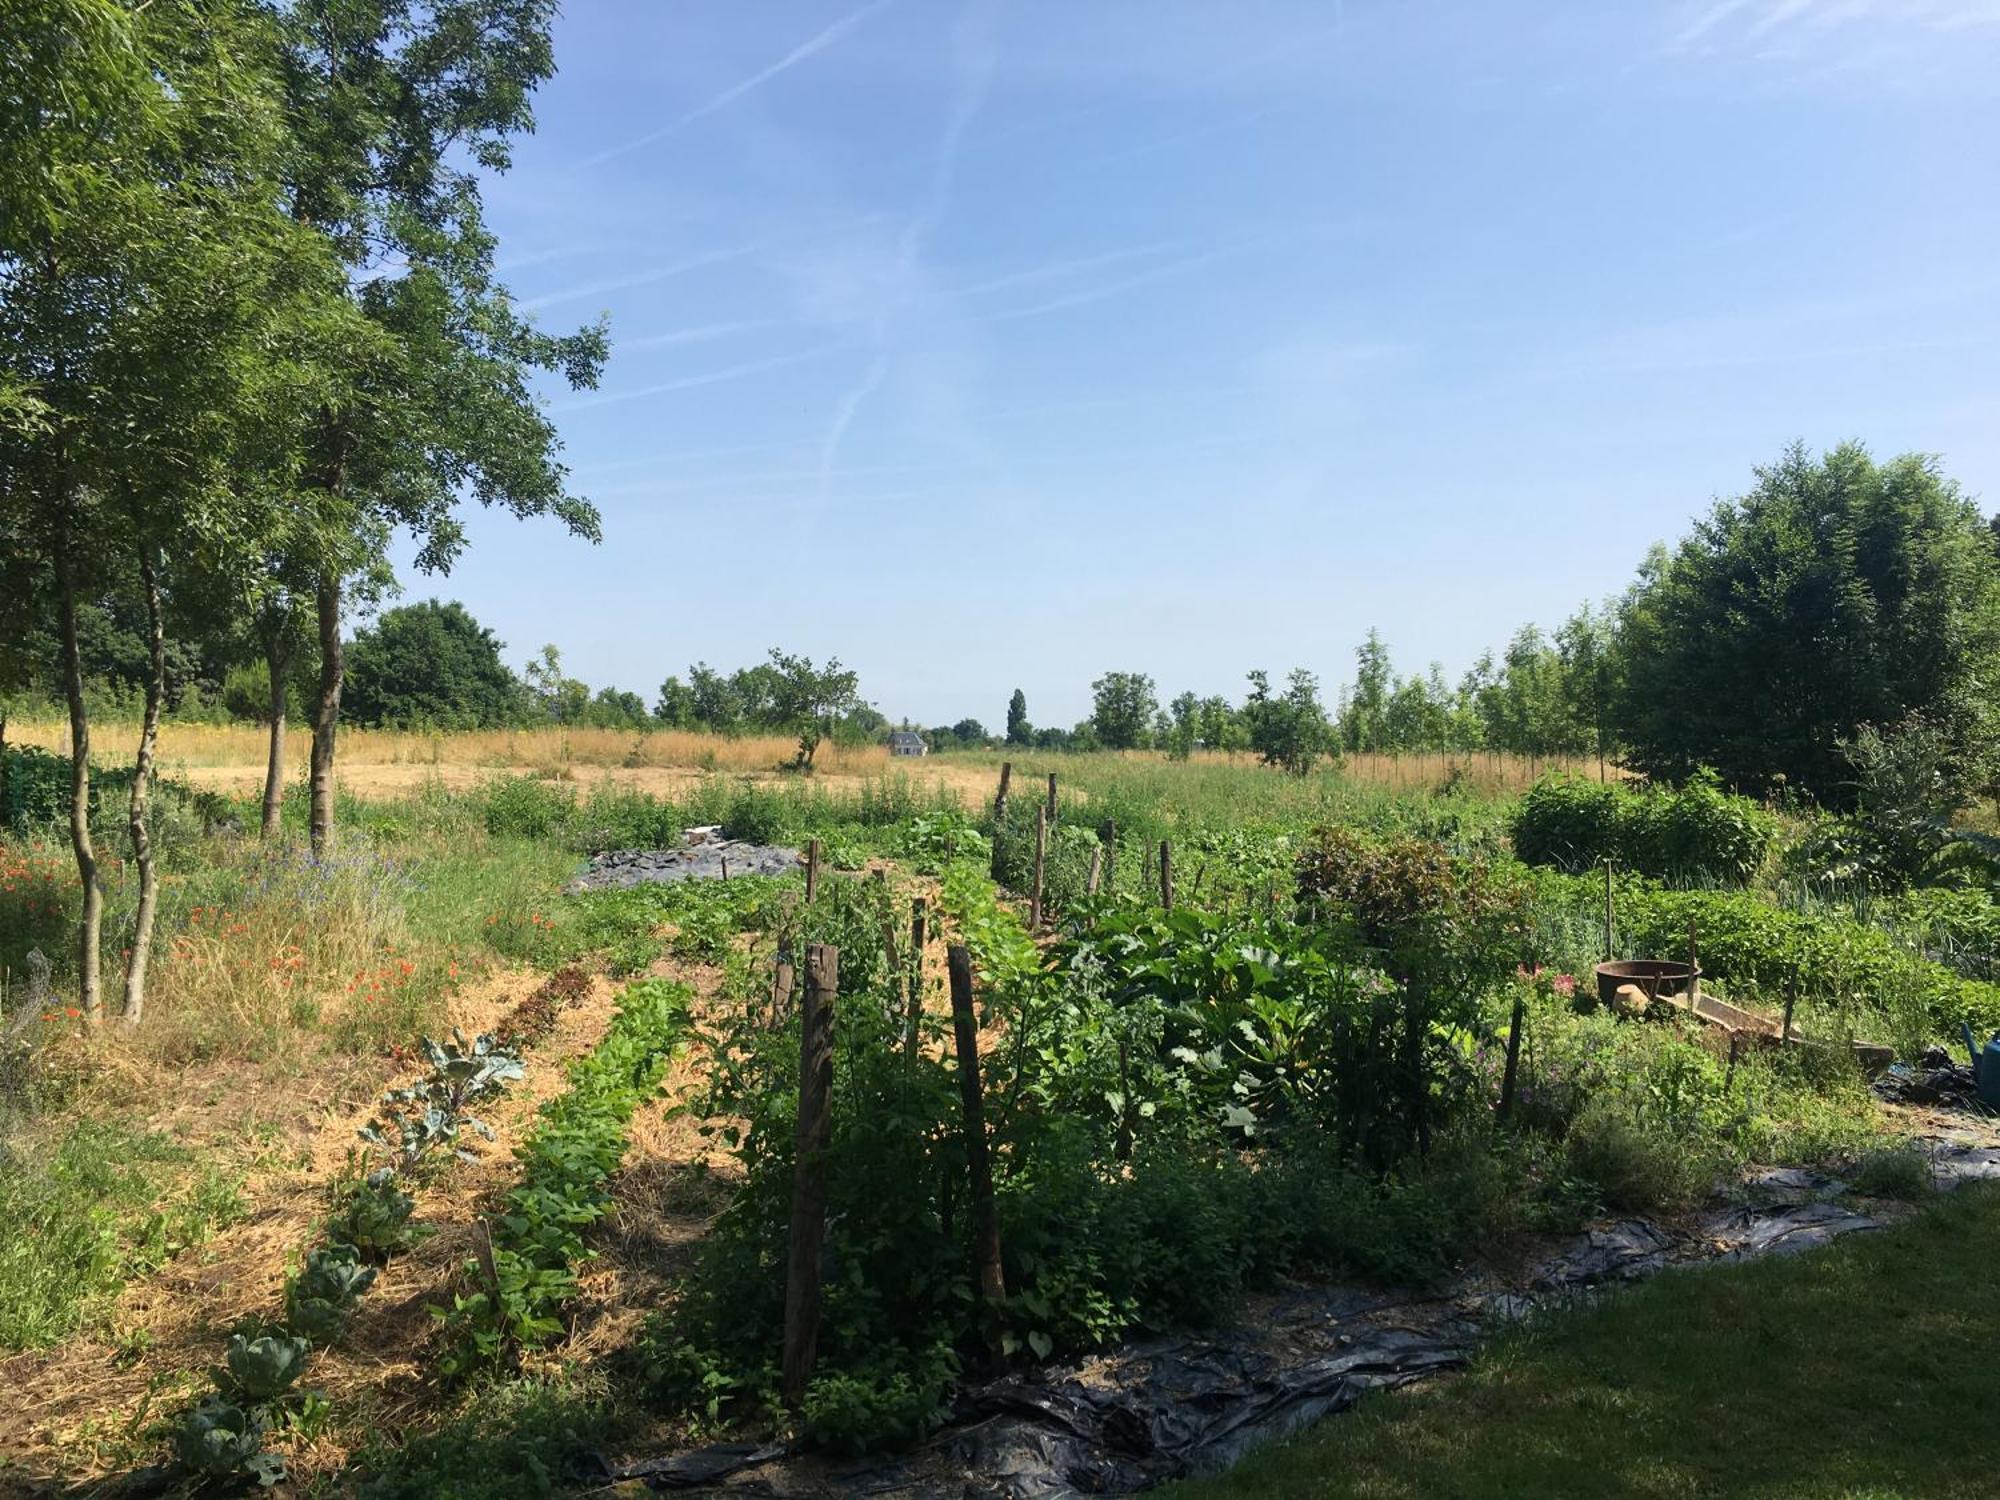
column 1866, row 1369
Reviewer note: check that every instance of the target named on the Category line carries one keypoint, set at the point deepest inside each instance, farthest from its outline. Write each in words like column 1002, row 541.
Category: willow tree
column 395, row 110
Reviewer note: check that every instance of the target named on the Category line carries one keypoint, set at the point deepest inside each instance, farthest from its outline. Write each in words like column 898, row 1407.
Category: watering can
column 1985, row 1067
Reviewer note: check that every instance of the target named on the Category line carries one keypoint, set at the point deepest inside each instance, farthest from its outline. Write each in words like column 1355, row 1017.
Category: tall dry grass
column 542, row 749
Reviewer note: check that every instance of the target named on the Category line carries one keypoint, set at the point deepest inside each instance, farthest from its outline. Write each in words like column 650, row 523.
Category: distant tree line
column 1840, row 601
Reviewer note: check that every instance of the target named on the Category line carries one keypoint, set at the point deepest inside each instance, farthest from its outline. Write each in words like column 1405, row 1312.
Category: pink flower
column 1565, row 984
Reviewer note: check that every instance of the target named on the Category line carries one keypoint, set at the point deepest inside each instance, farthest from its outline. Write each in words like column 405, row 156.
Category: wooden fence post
column 812, row 870
column 1000, row 817
column 985, row 1222
column 808, row 1228
column 915, row 978
column 1610, row 931
column 781, row 989
column 1096, row 869
column 1052, row 796
column 1107, row 835
column 1041, row 859
column 1166, row 875
column 1791, row 1001
column 1513, row 1057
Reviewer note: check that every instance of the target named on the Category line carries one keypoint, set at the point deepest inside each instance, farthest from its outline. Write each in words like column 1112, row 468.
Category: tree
column 675, row 707
column 615, row 708
column 395, row 108
column 808, row 699
column 1837, row 593
column 1288, row 729
column 1019, row 730
column 429, row 664
column 561, row 697
column 146, row 275
column 1363, row 718
column 1183, row 726
column 1124, row 705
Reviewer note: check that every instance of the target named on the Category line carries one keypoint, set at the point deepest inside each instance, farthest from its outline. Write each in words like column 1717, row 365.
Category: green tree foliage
column 1839, row 592
column 1019, row 730
column 1123, row 706
column 433, row 665
column 1288, row 729
column 560, row 697
column 808, row 699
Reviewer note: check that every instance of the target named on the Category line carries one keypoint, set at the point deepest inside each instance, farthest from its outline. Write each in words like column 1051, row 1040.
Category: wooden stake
column 781, row 989
column 812, row 870
column 916, row 978
column 985, row 1222
column 1610, row 932
column 1000, row 797
column 1166, row 875
column 1107, row 835
column 725, row 868
column 808, row 1227
column 1052, row 796
column 1096, row 869
column 1513, row 1057
column 1791, row 1000
column 1694, row 970
column 1041, row 859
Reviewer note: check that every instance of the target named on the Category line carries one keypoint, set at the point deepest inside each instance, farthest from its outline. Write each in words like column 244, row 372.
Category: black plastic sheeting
column 1166, row 1408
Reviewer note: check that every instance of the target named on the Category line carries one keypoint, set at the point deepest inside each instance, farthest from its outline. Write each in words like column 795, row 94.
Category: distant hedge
column 1695, row 832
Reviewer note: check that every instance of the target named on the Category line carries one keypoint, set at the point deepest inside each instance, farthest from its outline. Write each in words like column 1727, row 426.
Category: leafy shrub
column 1446, row 923
column 852, row 1412
column 521, row 807
column 757, row 816
column 1693, row 832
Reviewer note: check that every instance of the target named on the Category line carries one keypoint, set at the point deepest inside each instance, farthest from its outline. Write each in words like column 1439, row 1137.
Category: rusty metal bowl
column 1654, row 976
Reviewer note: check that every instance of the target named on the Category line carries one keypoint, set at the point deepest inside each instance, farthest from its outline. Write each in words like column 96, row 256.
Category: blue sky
column 1001, row 343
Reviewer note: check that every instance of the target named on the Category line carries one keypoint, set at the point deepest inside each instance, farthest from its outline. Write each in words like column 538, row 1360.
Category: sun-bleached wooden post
column 1096, row 869
column 1000, row 797
column 1166, row 874
column 1041, row 860
column 915, row 998
column 985, row 1221
column 812, row 869
column 815, row 1134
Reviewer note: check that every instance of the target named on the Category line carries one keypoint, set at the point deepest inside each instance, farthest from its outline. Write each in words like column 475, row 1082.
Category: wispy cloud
column 1758, row 21
column 700, row 334
column 637, row 278
column 811, row 47
column 975, row 58
column 691, row 382
column 1059, row 270
column 1084, row 296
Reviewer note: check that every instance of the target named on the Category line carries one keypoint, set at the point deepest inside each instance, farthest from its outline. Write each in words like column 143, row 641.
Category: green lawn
column 1869, row 1369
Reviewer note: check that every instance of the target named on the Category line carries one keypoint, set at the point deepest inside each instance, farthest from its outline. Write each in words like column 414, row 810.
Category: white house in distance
column 907, row 742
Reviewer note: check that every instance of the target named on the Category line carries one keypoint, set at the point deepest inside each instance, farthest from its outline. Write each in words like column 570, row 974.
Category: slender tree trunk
column 89, row 980
column 327, row 720
column 142, row 781
column 277, row 659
